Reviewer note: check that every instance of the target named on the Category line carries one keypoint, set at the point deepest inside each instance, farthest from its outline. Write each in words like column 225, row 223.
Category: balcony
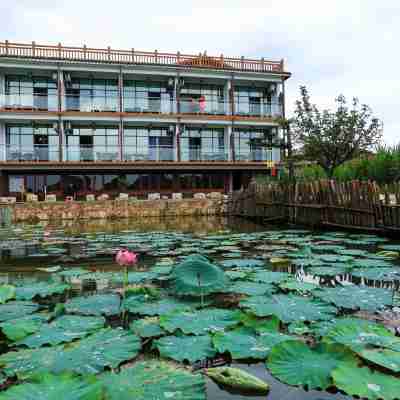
column 91, row 103
column 254, row 155
column 31, row 153
column 145, row 104
column 29, row 102
column 198, row 107
column 91, row 153
column 155, row 153
column 263, row 110
column 204, row 154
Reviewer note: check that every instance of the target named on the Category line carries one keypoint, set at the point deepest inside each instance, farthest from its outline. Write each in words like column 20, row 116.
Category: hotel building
column 109, row 121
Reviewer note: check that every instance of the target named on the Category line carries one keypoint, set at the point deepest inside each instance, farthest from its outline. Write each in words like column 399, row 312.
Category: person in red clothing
column 202, row 104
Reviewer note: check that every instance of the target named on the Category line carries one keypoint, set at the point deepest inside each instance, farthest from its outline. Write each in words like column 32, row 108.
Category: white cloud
column 341, row 46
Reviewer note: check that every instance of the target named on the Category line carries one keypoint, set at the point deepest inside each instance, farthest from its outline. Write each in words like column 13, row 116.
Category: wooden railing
column 365, row 206
column 108, row 55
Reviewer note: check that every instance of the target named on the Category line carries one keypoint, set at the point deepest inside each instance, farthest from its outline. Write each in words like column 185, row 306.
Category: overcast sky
column 332, row 47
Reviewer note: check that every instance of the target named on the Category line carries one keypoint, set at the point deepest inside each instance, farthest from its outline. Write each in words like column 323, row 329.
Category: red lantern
column 273, row 171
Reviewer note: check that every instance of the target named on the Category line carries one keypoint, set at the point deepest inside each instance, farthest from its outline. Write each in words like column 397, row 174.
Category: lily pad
column 289, row 308
column 39, row 289
column 7, row 292
column 99, row 304
column 148, row 380
column 46, row 386
column 62, row 330
column 294, row 363
column 388, row 359
column 181, row 348
column 269, row 276
column 355, row 297
column 243, row 263
column 199, row 322
column 250, row 288
column 16, row 309
column 364, row 383
column 17, row 329
column 147, row 327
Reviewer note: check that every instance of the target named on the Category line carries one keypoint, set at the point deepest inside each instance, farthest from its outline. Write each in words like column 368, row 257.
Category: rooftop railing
column 108, row 55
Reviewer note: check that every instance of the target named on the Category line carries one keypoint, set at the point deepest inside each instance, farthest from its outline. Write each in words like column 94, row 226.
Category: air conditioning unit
column 54, row 76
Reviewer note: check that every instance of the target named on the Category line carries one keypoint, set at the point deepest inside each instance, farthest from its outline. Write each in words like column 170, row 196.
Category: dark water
column 21, row 254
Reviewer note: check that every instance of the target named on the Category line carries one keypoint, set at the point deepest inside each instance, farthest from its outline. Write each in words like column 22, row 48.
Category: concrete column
column 121, row 91
column 61, row 91
column 63, row 142
column 177, row 143
column 2, row 89
column 228, row 142
column 175, row 108
column 227, row 97
column 3, row 149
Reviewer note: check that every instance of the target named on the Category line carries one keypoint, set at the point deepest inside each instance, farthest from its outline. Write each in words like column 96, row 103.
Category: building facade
column 111, row 121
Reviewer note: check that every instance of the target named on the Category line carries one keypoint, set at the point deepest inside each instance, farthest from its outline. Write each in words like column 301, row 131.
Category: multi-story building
column 111, row 121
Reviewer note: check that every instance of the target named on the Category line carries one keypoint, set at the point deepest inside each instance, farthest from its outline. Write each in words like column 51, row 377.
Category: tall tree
column 331, row 138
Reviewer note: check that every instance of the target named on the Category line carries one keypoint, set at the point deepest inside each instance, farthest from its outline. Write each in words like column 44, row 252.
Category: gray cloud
column 342, row 46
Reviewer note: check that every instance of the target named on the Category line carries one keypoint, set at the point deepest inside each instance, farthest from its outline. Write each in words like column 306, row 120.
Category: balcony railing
column 151, row 153
column 86, row 54
column 254, row 155
column 258, row 110
column 160, row 105
column 31, row 153
column 29, row 102
column 90, row 153
column 91, row 104
column 203, row 154
column 195, row 106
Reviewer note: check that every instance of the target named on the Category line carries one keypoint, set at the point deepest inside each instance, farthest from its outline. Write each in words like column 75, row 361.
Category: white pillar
column 3, row 150
column 228, row 138
column 227, row 97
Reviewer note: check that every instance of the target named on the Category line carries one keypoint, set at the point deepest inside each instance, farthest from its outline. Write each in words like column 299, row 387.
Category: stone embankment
column 115, row 209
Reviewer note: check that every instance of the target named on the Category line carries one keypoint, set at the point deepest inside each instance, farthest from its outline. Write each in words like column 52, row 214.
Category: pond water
column 313, row 278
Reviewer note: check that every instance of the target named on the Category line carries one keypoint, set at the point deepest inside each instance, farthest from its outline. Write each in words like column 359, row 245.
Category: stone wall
column 114, row 209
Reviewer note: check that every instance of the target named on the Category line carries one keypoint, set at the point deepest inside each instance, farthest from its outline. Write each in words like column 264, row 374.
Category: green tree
column 333, row 137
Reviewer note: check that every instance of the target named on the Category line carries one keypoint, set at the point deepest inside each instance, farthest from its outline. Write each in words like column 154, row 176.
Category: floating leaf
column 149, row 380
column 243, row 263
column 354, row 297
column 385, row 358
column 49, row 387
column 181, row 348
column 294, row 363
column 298, row 286
column 40, row 289
column 289, row 308
column 364, row 383
column 16, row 309
column 269, row 276
column 159, row 307
column 199, row 322
column 64, row 329
column 105, row 348
column 147, row 327
column 250, row 288
column 243, row 343
column 17, row 329
column 99, row 304
column 7, row 292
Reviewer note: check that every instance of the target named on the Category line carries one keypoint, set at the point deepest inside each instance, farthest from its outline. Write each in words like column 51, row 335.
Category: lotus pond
column 313, row 314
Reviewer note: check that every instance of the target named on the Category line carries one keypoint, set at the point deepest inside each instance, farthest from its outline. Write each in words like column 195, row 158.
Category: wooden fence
column 326, row 203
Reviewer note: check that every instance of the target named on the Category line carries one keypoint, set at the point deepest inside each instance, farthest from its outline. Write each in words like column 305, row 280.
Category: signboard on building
column 16, row 184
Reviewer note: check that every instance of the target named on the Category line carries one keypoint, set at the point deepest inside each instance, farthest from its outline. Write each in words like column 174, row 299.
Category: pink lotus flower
column 125, row 258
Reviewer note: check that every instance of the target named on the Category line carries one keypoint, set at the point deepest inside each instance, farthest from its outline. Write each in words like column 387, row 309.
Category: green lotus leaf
column 243, row 263
column 388, row 359
column 7, row 292
column 16, row 309
column 294, row 363
column 299, row 328
column 49, row 387
column 135, row 277
column 17, row 329
column 62, row 330
column 359, row 334
column 147, row 327
column 352, row 252
column 150, row 380
column 377, row 274
column 99, row 304
column 199, row 322
column 40, row 289
column 196, row 276
column 333, row 258
column 259, row 325
column 269, row 276
column 243, row 343
column 364, row 383
column 308, row 262
column 250, row 288
column 159, row 307
column 390, row 247
column 181, row 348
column 371, row 263
column 289, row 308
column 236, row 275
column 355, row 297
column 298, row 286
column 327, row 271
column 91, row 355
